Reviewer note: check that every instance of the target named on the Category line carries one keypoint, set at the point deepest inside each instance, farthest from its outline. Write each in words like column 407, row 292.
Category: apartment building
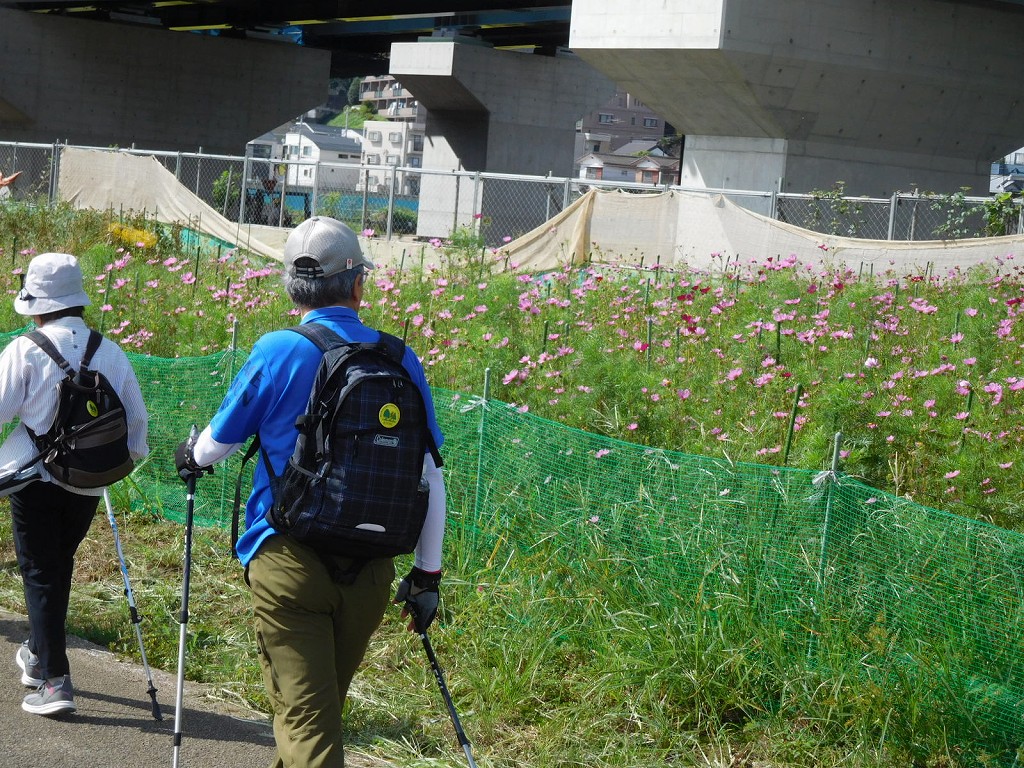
column 622, row 119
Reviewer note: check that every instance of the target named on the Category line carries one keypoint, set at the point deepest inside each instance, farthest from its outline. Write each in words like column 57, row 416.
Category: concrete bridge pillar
column 495, row 111
column 99, row 84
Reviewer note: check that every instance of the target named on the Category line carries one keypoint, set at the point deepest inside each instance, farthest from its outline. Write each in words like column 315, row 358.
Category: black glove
column 185, row 460
column 419, row 592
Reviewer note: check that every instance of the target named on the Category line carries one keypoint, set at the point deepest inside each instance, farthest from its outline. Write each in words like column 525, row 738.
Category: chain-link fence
column 397, row 201
column 909, row 217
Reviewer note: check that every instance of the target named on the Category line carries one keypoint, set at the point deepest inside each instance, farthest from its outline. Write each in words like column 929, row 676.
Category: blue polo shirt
column 271, row 391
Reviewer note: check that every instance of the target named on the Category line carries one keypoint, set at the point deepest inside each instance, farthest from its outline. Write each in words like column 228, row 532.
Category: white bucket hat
column 53, row 282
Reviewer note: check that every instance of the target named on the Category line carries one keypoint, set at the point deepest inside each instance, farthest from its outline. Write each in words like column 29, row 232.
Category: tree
column 222, row 191
column 353, row 90
column 671, row 145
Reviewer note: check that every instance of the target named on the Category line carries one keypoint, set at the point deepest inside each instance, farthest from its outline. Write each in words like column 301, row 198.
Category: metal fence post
column 480, row 445
column 177, row 167
column 566, row 192
column 391, row 200
column 893, row 202
column 831, row 478
column 455, row 210
column 51, row 194
column 366, row 187
column 477, row 203
column 314, row 198
column 283, row 193
column 243, row 198
column 773, row 205
column 227, row 192
column 199, row 166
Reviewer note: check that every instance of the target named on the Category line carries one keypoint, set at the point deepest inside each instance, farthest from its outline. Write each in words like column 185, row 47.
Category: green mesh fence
column 833, row 576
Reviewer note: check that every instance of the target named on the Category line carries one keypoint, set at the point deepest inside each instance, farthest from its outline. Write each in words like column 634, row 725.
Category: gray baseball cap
column 321, row 247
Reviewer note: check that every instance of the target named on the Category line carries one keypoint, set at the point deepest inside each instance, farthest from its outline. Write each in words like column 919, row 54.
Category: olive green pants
column 311, row 633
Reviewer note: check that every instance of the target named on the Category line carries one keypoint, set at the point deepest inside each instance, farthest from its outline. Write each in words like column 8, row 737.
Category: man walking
column 314, row 612
column 50, row 519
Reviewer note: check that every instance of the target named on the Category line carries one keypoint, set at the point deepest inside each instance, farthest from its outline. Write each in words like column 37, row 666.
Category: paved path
column 114, row 725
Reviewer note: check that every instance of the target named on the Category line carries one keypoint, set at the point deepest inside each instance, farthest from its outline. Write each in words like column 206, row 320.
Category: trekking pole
column 186, row 575
column 136, row 619
column 439, row 676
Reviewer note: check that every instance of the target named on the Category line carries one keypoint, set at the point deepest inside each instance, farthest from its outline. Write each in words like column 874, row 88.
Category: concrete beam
column 99, row 84
column 531, row 103
column 889, row 92
column 496, row 111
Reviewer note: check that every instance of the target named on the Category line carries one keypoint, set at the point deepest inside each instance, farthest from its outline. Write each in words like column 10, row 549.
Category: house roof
column 627, row 161
column 638, row 145
column 328, row 137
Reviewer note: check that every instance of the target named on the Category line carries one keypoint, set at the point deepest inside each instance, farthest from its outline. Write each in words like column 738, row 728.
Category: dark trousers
column 49, row 524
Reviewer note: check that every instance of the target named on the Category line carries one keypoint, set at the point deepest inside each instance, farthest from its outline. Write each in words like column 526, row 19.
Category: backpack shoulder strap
column 91, row 346
column 394, row 346
column 319, row 334
column 41, row 340
column 254, row 446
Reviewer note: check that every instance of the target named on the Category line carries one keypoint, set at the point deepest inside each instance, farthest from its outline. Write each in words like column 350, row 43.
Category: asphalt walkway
column 114, row 725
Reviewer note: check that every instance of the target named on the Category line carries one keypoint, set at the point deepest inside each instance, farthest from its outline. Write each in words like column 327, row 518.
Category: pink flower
column 996, row 390
column 951, row 475
column 368, row 232
column 602, row 452
column 510, row 376
column 632, row 426
column 734, row 374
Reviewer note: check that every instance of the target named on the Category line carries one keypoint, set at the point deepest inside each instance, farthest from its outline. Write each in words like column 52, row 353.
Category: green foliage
column 836, row 214
column 958, row 213
column 353, row 90
column 222, row 192
column 403, row 221
column 613, row 662
column 671, row 145
column 1001, row 214
column 998, row 214
column 353, row 116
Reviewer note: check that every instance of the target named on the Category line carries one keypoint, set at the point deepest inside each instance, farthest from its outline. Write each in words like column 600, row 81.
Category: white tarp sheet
column 100, row 179
column 676, row 229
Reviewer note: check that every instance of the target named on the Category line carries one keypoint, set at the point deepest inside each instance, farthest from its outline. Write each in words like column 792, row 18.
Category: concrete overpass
column 883, row 94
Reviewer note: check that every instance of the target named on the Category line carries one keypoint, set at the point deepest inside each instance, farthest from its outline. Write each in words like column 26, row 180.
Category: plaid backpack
column 353, row 485
column 86, row 446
